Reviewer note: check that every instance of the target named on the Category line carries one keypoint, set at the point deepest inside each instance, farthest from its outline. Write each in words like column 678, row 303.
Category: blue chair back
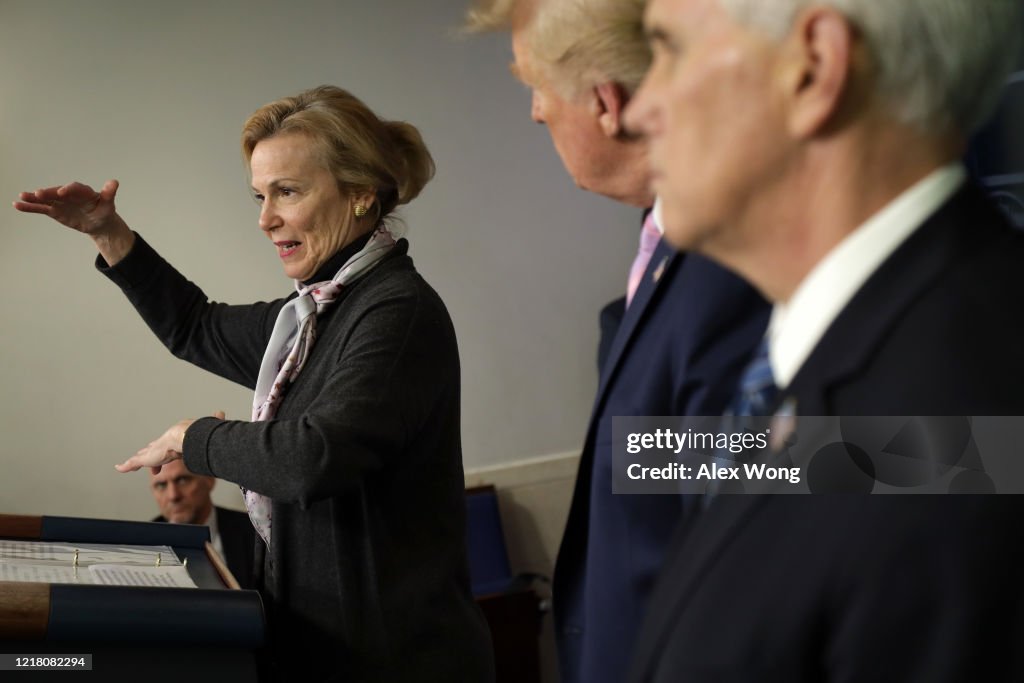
column 489, row 569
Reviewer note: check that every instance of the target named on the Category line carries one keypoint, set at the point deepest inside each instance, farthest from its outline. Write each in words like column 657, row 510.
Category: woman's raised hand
column 82, row 208
column 165, row 448
column 75, row 205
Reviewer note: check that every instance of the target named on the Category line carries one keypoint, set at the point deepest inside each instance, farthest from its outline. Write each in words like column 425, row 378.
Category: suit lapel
column 663, row 259
column 855, row 335
column 573, row 542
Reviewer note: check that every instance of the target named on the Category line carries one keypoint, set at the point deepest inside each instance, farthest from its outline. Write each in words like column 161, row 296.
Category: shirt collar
column 797, row 325
column 656, row 210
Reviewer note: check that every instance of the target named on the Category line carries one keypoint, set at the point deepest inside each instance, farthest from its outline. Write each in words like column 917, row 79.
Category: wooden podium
column 209, row 633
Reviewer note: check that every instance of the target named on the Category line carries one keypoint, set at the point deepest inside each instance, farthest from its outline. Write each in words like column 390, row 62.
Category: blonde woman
column 351, row 466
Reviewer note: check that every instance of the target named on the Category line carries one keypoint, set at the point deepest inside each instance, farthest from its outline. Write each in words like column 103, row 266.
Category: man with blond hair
column 688, row 328
column 829, row 135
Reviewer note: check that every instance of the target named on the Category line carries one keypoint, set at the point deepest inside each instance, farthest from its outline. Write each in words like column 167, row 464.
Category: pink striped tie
column 649, row 237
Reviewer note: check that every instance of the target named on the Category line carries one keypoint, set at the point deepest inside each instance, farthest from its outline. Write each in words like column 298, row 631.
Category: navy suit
column 610, row 319
column 678, row 350
column 872, row 588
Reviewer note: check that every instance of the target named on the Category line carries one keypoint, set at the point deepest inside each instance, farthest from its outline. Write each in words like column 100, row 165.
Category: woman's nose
column 269, row 218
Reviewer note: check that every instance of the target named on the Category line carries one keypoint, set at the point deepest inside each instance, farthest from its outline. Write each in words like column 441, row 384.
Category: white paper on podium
column 174, row 576
column 109, row 565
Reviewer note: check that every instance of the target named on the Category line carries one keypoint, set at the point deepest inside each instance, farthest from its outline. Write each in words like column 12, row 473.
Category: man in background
column 688, row 326
column 184, row 498
column 828, row 136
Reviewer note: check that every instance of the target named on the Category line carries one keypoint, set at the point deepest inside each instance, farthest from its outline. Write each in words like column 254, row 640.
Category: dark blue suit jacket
column 678, row 350
column 885, row 588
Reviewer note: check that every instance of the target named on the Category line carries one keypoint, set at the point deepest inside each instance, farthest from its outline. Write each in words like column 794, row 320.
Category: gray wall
column 154, row 93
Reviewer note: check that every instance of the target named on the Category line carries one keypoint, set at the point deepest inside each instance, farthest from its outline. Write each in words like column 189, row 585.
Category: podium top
column 211, row 614
column 82, row 530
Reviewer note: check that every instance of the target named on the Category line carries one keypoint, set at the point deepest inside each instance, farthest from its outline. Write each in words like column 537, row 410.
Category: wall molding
column 526, row 472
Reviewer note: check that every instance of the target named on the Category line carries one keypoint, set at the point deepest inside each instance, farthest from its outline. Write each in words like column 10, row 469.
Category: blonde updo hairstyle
column 363, row 152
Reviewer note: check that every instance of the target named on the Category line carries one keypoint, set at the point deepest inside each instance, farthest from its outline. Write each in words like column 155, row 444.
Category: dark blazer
column 238, row 537
column 872, row 588
column 678, row 350
column 609, row 320
column 366, row 577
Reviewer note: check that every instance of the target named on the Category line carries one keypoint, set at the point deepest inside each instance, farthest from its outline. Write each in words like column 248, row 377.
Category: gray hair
column 576, row 43
column 941, row 64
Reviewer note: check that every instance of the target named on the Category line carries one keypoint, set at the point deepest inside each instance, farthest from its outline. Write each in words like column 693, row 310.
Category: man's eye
column 287, row 192
column 258, row 198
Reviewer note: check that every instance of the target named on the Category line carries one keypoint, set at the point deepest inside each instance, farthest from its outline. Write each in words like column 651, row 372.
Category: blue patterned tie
column 755, row 398
column 757, row 390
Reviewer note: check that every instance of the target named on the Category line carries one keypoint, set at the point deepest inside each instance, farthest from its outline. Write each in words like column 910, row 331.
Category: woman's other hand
column 163, row 450
column 81, row 208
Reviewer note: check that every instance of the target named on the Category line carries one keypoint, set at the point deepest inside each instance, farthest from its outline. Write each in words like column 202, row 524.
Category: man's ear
column 611, row 100
column 816, row 69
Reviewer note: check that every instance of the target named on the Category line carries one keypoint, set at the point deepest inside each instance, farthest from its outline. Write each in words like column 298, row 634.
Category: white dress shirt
column 798, row 324
column 656, row 210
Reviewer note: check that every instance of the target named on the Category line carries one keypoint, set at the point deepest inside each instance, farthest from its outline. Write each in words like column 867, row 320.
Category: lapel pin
column 656, row 275
column 783, row 425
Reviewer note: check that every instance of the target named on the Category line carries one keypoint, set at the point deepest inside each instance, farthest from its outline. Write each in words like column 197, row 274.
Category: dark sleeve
column 226, row 340
column 391, row 389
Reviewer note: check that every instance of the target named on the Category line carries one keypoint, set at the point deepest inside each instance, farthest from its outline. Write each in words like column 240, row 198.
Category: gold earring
column 360, row 211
